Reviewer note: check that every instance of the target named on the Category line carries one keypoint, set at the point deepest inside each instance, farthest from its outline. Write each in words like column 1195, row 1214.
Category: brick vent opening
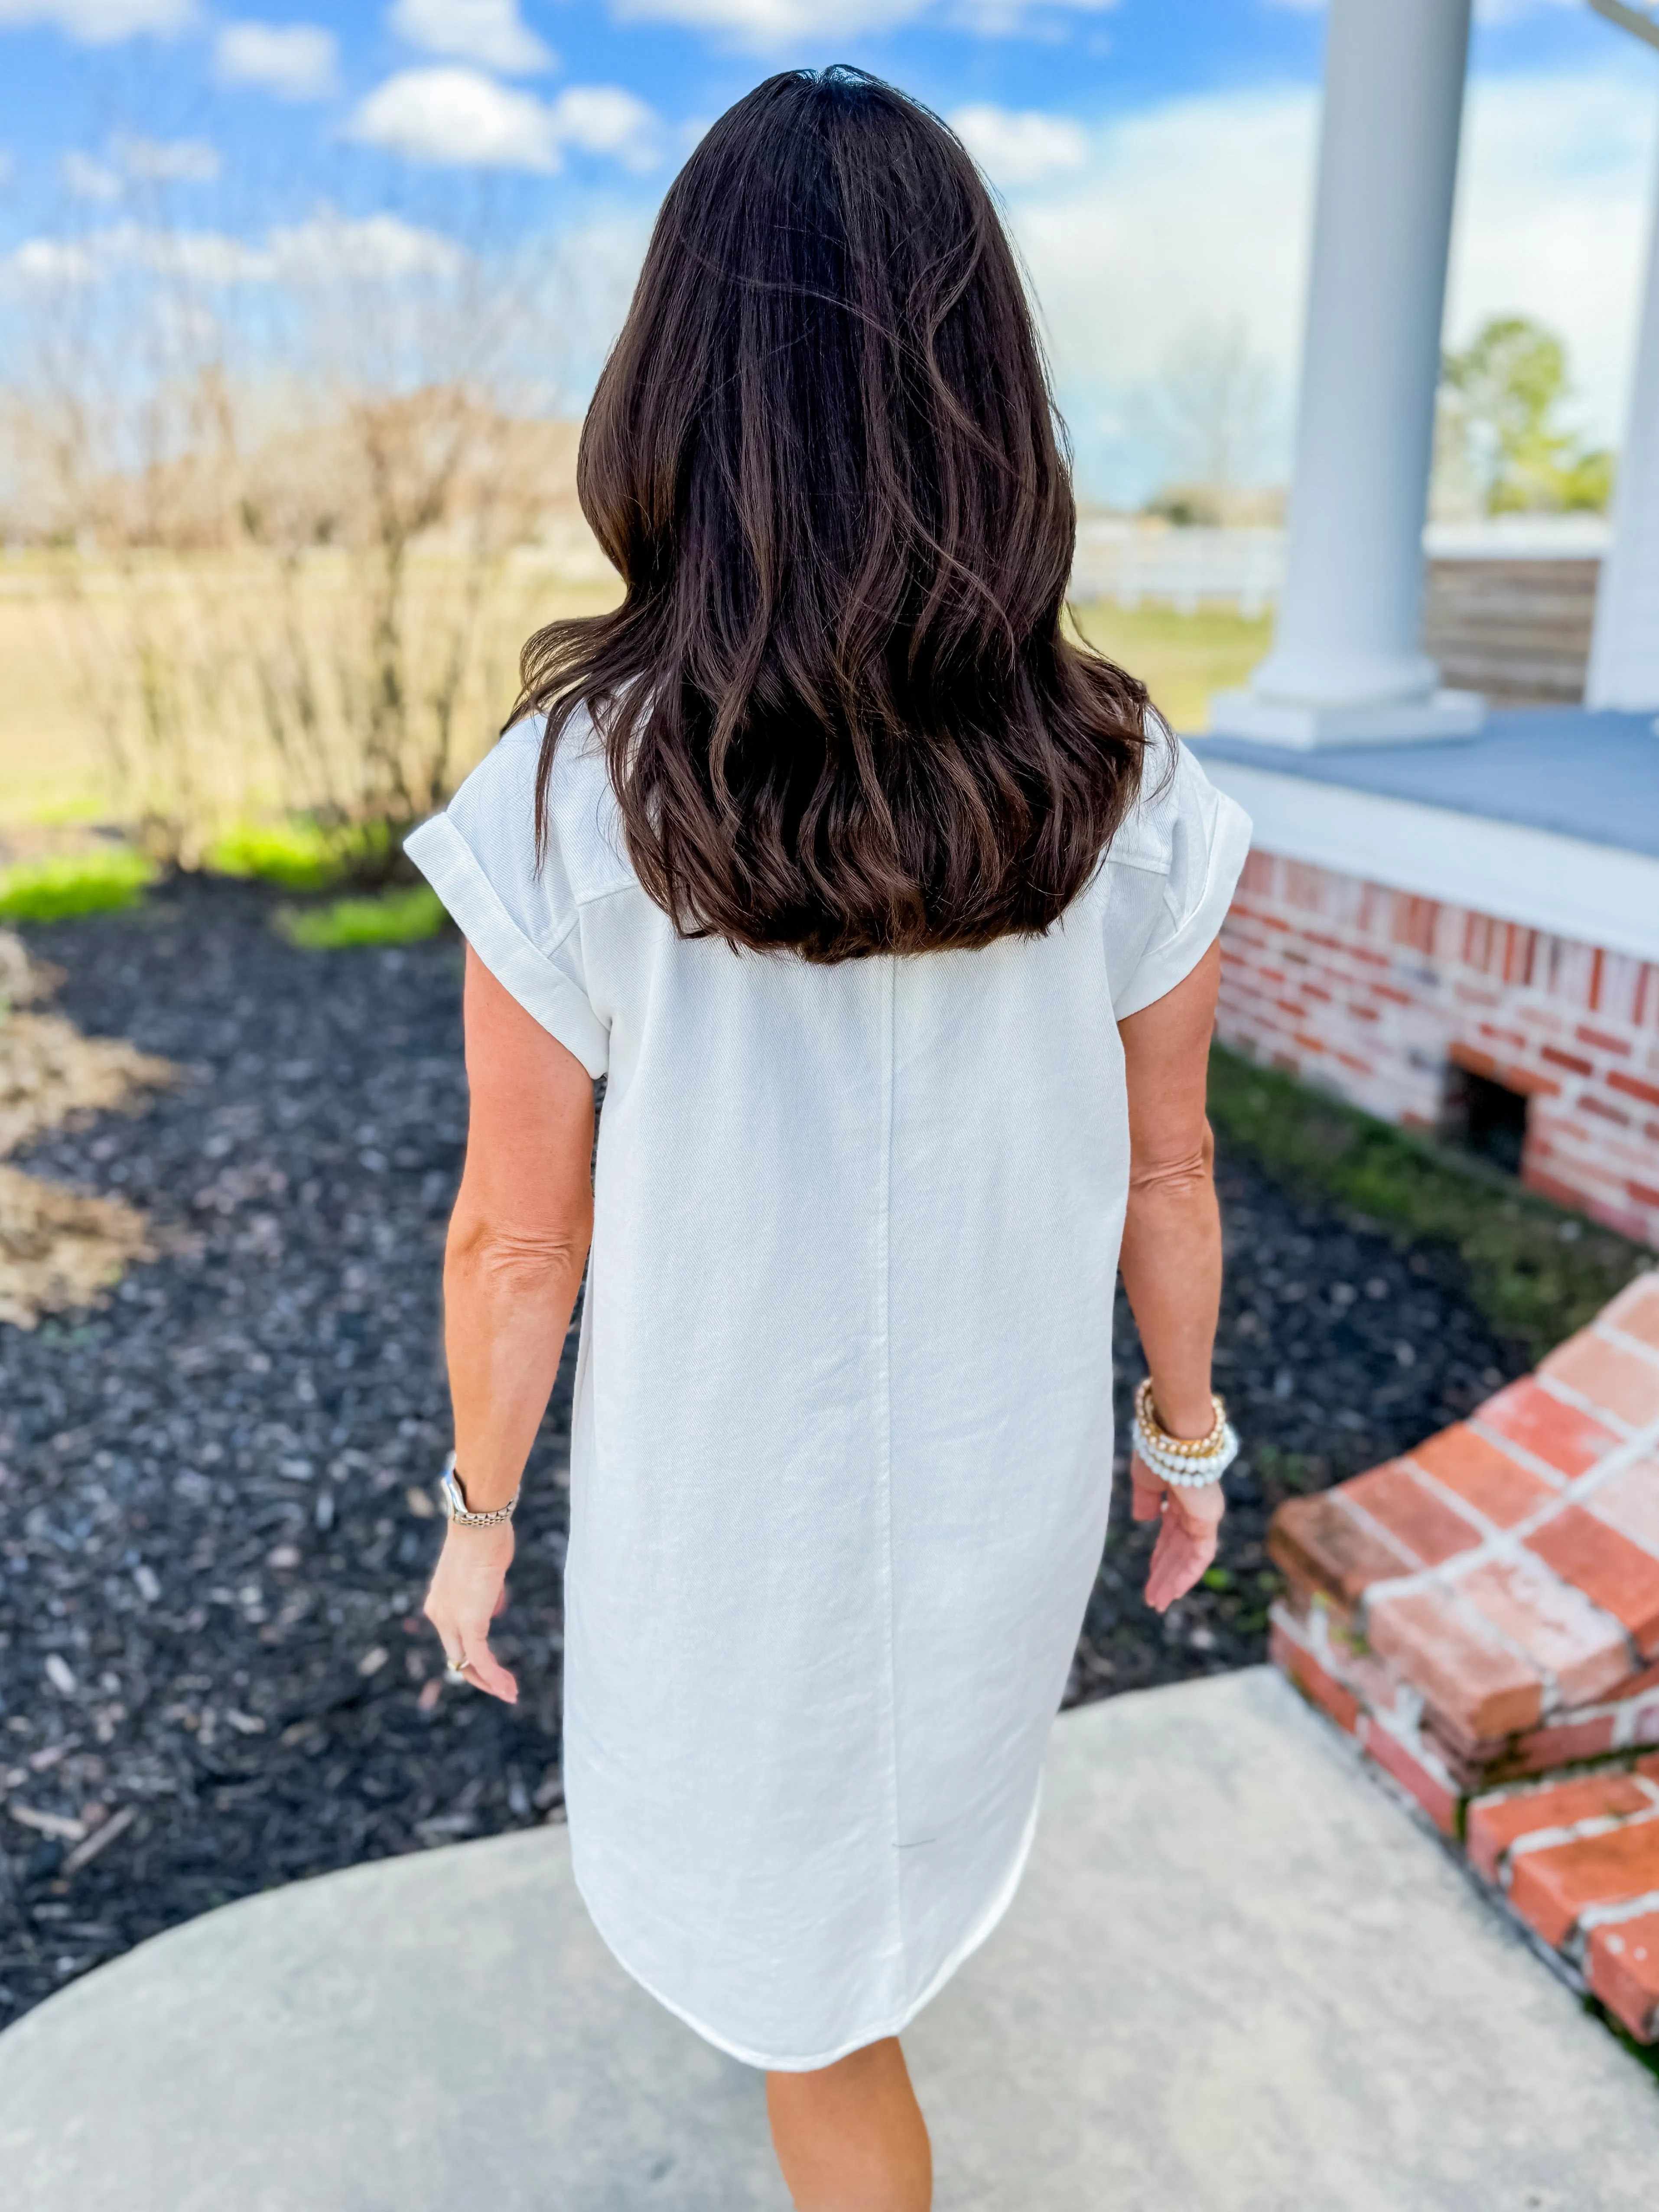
column 1369, row 992
column 1487, row 1118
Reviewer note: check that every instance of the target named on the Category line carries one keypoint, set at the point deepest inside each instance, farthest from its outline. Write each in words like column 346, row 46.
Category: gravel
column 215, row 1493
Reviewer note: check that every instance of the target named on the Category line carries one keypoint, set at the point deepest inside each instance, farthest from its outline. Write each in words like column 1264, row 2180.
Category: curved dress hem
column 877, row 2031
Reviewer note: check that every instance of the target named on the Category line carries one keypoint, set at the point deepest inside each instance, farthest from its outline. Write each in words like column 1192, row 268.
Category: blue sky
column 1155, row 155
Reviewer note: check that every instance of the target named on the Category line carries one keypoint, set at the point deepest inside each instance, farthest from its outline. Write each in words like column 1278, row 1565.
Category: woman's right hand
column 469, row 1588
column 1189, row 1522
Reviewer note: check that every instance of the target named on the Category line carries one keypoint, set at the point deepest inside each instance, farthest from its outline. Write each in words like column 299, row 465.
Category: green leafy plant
column 1537, row 1271
column 392, row 917
column 68, row 884
column 1287, row 1471
column 294, row 855
column 299, row 855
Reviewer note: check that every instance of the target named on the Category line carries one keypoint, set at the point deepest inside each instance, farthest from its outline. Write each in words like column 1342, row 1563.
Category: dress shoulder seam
column 611, row 890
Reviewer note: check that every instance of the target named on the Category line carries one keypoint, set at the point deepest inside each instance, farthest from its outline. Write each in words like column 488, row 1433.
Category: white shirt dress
column 841, row 1445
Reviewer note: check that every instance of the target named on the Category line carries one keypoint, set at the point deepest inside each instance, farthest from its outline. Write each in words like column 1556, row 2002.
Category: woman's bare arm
column 1171, row 1258
column 513, row 1265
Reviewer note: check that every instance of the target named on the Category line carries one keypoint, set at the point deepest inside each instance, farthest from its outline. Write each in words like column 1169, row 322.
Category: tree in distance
column 1501, row 447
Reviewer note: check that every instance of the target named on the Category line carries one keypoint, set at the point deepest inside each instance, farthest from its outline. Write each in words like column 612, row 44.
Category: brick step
column 1485, row 1609
column 1507, row 1568
column 1578, row 1862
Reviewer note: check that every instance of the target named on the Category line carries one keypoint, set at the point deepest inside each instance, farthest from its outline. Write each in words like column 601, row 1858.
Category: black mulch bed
column 213, row 1676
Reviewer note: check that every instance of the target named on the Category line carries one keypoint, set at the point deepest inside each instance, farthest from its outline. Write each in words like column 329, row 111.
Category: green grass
column 392, row 917
column 68, row 884
column 1536, row 1271
column 1184, row 659
column 298, row 855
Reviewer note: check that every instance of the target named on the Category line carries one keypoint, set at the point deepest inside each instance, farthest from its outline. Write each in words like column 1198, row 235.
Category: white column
column 1624, row 665
column 1347, row 667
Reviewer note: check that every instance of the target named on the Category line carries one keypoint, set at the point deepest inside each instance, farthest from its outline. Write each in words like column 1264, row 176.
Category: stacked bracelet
column 1189, row 1463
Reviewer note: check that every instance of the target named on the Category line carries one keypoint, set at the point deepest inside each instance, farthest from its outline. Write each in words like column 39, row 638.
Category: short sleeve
column 520, row 917
column 1207, row 836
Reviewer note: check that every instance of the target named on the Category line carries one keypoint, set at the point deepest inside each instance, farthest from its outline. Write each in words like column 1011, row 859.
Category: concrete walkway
column 1238, row 1979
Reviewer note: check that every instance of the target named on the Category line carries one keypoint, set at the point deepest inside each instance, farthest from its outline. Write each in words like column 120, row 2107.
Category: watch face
column 452, row 1490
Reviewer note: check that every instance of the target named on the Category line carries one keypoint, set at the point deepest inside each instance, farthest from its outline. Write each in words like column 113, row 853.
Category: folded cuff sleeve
column 544, row 984
column 1189, row 923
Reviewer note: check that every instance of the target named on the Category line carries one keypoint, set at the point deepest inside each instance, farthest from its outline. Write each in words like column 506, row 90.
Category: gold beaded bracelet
column 1182, row 1447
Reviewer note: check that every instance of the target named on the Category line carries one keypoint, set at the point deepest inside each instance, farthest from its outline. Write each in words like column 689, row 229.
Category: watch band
column 455, row 1505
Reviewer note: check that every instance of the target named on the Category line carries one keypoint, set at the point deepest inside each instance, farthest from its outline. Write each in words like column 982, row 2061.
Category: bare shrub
column 1209, row 412
column 294, row 577
column 386, row 651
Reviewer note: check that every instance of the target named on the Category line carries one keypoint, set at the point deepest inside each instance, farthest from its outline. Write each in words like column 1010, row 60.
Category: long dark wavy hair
column 839, row 707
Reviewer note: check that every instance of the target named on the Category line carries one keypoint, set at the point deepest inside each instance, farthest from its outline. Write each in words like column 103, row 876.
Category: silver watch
column 455, row 1505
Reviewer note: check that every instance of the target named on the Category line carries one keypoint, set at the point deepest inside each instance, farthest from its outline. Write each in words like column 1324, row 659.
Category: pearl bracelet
column 1190, row 1463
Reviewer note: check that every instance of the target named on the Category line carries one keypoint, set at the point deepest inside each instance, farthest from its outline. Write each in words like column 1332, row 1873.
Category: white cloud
column 1487, row 11
column 776, row 22
column 191, row 257
column 175, row 161
column 295, row 61
column 1199, row 212
column 327, row 247
column 90, row 179
column 52, row 261
column 491, row 32
column 1021, row 146
column 143, row 161
column 1007, row 18
column 603, row 119
column 1554, row 201
column 1192, row 211
column 461, row 117
column 98, row 22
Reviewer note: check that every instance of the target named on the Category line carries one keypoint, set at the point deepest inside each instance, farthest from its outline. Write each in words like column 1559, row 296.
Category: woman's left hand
column 469, row 1588
column 1189, row 1519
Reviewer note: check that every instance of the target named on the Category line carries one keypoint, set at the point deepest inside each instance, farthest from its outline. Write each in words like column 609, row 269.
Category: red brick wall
column 1377, row 994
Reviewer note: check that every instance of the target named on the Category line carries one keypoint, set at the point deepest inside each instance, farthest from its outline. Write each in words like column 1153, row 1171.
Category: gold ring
column 458, row 1667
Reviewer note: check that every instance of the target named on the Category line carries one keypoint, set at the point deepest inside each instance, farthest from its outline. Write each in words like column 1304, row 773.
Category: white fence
column 1130, row 562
